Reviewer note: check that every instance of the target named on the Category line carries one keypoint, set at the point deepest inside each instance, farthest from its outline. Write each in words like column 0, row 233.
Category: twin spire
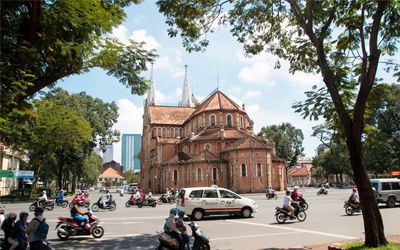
column 185, row 101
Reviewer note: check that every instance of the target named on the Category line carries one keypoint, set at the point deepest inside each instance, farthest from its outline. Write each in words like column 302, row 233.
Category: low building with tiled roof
column 111, row 175
column 204, row 143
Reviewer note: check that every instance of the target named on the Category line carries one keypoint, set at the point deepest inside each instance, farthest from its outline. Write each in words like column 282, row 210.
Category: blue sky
column 266, row 92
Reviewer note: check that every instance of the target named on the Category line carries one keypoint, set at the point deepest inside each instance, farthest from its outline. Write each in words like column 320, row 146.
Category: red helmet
column 354, row 189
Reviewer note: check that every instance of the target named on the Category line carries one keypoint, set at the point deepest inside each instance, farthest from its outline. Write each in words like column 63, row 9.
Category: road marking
column 126, row 218
column 297, row 230
column 251, row 236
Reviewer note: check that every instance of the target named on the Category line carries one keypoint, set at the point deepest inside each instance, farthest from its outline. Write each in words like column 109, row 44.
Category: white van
column 387, row 191
column 198, row 202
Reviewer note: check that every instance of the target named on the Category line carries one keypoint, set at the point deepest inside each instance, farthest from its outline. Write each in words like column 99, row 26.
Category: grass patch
column 360, row 246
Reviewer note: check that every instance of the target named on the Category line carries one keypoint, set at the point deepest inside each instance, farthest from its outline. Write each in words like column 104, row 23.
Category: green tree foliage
column 45, row 41
column 288, row 141
column 344, row 41
column 92, row 169
column 131, row 177
column 101, row 115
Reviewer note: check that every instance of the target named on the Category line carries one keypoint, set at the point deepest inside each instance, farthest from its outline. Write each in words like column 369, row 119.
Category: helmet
column 23, row 214
column 12, row 215
column 39, row 210
column 354, row 189
column 181, row 213
column 173, row 211
column 44, row 191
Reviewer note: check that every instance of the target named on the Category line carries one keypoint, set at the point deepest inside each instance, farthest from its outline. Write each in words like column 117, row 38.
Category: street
column 136, row 228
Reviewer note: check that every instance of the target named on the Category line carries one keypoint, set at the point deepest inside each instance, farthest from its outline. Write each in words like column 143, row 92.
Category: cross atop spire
column 185, row 101
column 151, row 95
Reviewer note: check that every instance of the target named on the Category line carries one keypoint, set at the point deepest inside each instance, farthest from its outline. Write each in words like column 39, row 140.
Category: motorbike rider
column 355, row 198
column 270, row 191
column 171, row 229
column 43, row 198
column 288, row 202
column 149, row 194
column 22, row 225
column 60, row 197
column 137, row 196
column 180, row 224
column 77, row 215
column 10, row 230
column 107, row 199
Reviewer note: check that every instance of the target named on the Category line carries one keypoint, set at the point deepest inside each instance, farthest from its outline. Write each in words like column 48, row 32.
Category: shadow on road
column 144, row 241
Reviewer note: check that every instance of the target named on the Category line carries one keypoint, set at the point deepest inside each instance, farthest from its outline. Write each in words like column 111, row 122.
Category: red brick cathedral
column 201, row 144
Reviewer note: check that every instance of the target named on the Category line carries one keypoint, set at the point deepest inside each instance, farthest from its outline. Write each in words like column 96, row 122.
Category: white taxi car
column 198, row 202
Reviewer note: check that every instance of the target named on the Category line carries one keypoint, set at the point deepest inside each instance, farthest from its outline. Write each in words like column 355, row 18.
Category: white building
column 9, row 161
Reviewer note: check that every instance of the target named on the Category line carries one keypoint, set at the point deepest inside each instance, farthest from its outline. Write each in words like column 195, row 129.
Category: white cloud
column 305, row 80
column 122, row 34
column 252, row 94
column 129, row 122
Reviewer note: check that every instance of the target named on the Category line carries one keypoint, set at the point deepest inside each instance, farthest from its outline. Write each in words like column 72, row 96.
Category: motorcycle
column 78, row 201
column 151, row 202
column 351, row 208
column 165, row 199
column 67, row 227
column 110, row 205
column 200, row 240
column 302, row 203
column 49, row 205
column 283, row 214
column 322, row 191
column 63, row 203
column 271, row 196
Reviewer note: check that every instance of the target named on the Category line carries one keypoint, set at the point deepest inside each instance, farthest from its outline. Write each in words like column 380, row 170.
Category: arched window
column 176, row 133
column 259, row 167
column 185, row 149
column 172, row 133
column 212, row 120
column 199, row 174
column 207, row 146
column 199, row 122
column 241, row 121
column 244, row 174
column 175, row 176
column 229, row 121
column 159, row 132
column 214, row 175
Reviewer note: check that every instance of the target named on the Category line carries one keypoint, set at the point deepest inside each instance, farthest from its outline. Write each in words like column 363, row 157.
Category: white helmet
column 44, row 191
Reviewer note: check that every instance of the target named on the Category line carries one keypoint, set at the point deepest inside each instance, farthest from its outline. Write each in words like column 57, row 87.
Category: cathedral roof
column 248, row 142
column 217, row 101
column 204, row 155
column 213, row 134
column 169, row 115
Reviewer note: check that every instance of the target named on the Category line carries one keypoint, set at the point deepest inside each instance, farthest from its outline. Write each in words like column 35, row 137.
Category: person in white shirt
column 43, row 198
column 287, row 201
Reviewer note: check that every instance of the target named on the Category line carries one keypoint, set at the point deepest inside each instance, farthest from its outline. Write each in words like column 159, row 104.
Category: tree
column 131, row 177
column 342, row 40
column 101, row 115
column 44, row 41
column 92, row 169
column 288, row 141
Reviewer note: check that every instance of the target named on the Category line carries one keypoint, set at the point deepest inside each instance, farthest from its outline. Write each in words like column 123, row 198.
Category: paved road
column 135, row 228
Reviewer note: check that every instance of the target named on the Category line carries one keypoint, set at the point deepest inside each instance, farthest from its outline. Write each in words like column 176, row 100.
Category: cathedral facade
column 201, row 144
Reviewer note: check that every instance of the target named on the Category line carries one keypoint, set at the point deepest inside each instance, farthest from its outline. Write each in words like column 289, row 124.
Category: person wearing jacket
column 33, row 226
column 10, row 230
column 22, row 225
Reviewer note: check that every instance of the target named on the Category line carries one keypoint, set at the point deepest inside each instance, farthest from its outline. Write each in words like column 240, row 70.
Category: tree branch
column 325, row 27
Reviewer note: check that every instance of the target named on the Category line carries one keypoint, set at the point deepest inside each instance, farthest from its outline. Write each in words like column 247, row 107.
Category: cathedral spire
column 185, row 101
column 151, row 95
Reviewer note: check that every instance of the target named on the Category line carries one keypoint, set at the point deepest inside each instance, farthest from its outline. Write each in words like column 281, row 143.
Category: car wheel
column 301, row 216
column 391, row 202
column 246, row 212
column 197, row 214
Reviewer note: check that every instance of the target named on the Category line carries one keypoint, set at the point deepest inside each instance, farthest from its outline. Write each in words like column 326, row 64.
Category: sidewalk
column 392, row 238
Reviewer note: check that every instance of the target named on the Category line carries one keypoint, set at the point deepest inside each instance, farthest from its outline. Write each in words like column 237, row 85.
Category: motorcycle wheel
column 97, row 232
column 112, row 207
column 349, row 210
column 159, row 201
column 275, row 196
column 70, row 205
column 50, row 206
column 204, row 247
column 95, row 207
column 301, row 216
column 154, row 204
column 62, row 235
column 32, row 207
column 171, row 201
column 87, row 205
column 280, row 218
column 140, row 205
column 305, row 206
column 127, row 204
column 64, row 204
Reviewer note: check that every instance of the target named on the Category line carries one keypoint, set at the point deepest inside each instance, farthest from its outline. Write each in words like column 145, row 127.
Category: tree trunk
column 373, row 224
column 35, row 180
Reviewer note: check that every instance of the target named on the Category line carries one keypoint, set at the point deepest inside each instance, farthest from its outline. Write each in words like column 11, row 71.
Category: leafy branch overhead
column 45, row 41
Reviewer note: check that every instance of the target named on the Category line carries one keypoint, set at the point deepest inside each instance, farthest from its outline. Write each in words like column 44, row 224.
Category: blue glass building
column 130, row 147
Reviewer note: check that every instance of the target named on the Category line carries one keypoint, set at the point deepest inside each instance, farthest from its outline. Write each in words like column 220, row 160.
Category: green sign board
column 7, row 173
